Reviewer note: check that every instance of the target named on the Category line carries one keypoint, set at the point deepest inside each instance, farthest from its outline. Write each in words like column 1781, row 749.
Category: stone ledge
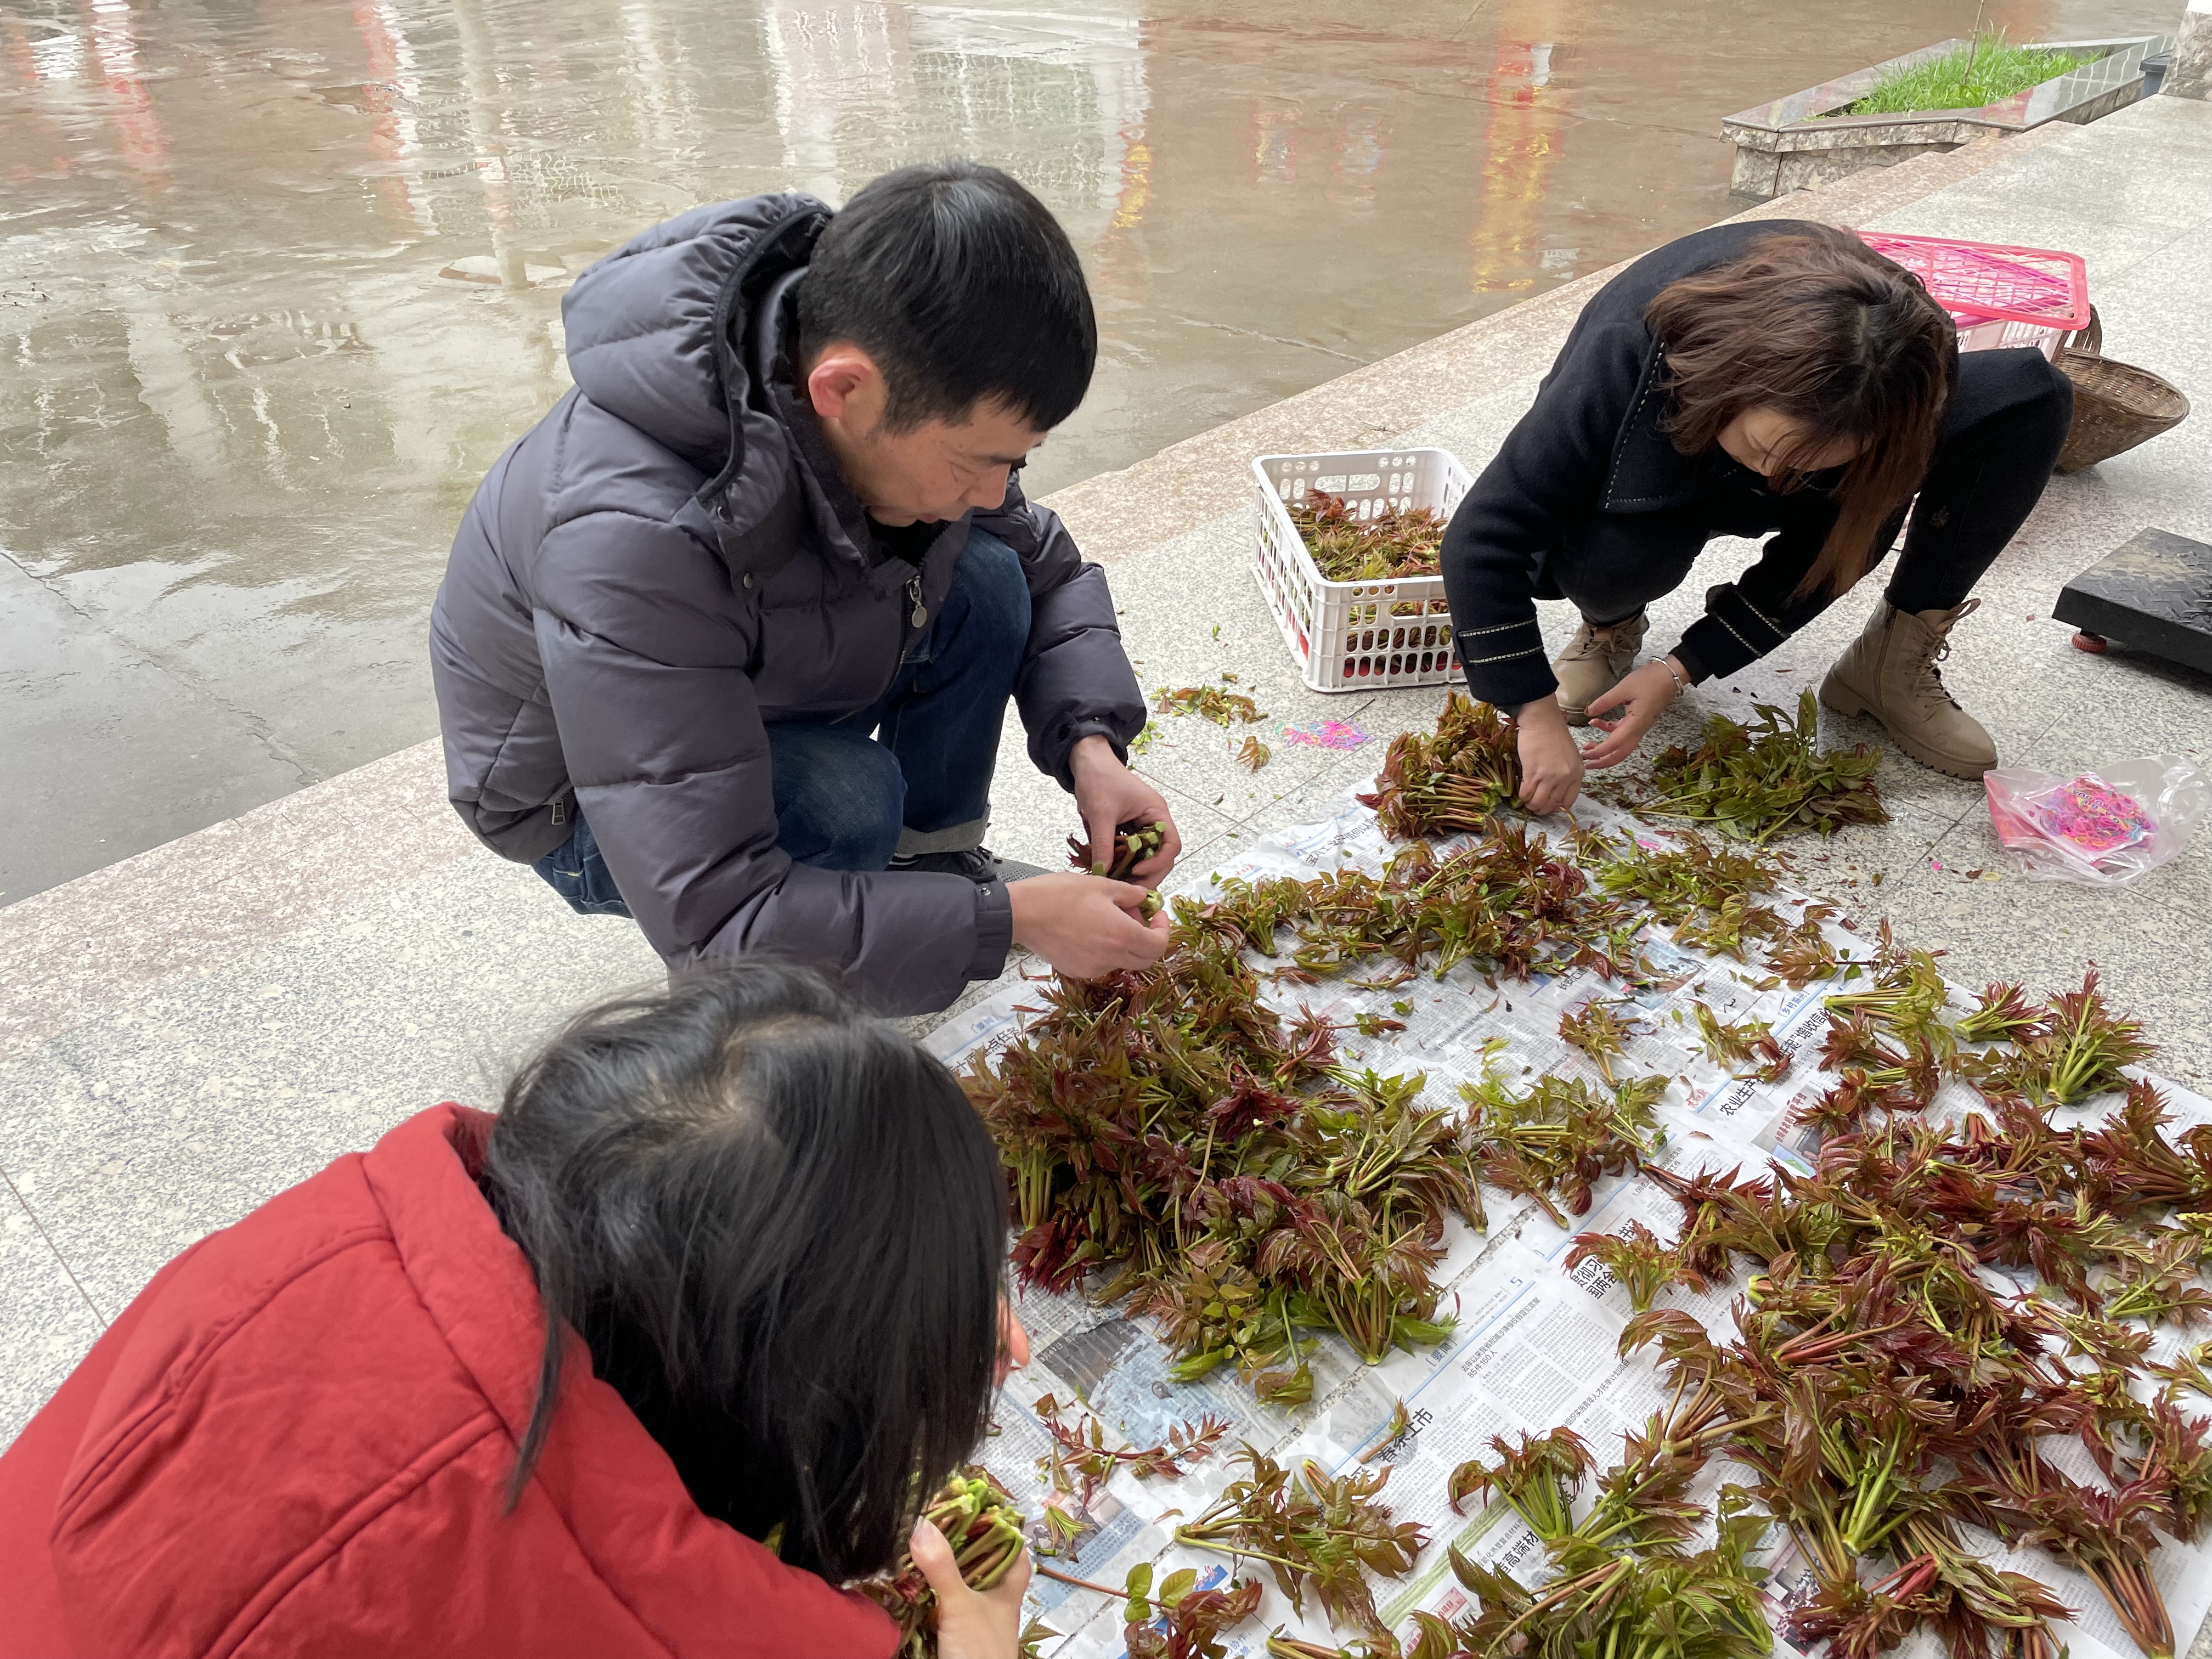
column 186, row 908
column 2190, row 74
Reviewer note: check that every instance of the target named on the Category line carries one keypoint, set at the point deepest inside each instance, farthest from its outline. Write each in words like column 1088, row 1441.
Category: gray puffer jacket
column 664, row 563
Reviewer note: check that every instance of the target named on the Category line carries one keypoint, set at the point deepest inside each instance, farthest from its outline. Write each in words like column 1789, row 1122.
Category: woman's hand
column 1013, row 1344
column 1641, row 696
column 1551, row 765
column 1108, row 795
column 971, row 1624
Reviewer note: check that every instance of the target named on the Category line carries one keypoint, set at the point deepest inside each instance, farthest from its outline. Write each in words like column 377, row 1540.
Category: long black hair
column 779, row 1227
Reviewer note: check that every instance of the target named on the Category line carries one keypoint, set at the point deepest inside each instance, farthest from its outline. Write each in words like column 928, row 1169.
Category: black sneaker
column 979, row 864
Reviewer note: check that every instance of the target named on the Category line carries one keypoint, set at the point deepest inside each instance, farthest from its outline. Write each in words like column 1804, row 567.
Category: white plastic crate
column 1358, row 636
column 1980, row 333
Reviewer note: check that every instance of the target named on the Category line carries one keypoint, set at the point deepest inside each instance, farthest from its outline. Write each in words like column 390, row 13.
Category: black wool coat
column 1588, row 496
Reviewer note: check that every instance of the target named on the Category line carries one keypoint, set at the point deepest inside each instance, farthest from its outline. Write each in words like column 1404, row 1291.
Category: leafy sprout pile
column 1450, row 781
column 1750, row 783
column 1393, row 542
column 1624, row 1580
column 1217, row 703
column 1893, row 1380
column 1175, row 1140
column 1751, row 1043
column 1241, row 1186
column 1754, row 781
column 1314, row 1533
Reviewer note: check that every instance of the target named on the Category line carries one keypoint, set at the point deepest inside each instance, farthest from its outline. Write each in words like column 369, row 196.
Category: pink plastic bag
column 2103, row 829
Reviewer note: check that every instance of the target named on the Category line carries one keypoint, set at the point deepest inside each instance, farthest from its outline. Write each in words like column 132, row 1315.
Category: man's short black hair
column 962, row 286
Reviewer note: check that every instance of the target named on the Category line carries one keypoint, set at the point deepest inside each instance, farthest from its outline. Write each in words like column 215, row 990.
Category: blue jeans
column 846, row 799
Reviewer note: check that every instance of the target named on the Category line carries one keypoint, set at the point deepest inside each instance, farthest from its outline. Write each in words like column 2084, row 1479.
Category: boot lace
column 1931, row 683
column 1599, row 639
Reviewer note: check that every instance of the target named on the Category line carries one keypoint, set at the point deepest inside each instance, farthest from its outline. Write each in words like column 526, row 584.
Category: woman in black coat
column 1779, row 376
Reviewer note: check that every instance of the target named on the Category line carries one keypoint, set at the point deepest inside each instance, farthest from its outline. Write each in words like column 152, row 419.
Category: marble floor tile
column 131, row 1137
column 2047, row 934
column 2110, row 244
column 46, row 1323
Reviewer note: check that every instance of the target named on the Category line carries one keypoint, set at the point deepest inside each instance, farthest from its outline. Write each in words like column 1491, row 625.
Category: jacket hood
column 651, row 337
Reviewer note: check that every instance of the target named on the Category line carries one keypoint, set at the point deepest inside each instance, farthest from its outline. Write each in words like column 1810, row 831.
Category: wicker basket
column 2116, row 407
column 2092, row 338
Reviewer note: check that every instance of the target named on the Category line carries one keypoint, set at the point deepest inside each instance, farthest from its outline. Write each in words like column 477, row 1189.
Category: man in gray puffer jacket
column 725, row 640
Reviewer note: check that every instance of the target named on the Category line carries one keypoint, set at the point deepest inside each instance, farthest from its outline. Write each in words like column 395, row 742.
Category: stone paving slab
column 129, row 1135
column 46, row 1322
column 185, row 1033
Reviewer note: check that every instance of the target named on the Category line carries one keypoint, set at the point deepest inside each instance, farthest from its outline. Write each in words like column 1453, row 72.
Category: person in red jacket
column 724, row 1269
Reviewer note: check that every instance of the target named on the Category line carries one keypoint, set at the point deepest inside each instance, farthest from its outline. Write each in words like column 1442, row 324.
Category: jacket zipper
column 910, row 623
column 916, row 614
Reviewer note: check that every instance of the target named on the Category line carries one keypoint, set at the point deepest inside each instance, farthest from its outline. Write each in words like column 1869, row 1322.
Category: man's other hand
column 1108, row 795
column 1085, row 926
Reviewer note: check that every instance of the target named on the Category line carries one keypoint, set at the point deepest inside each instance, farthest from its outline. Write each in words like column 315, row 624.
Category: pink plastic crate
column 2000, row 295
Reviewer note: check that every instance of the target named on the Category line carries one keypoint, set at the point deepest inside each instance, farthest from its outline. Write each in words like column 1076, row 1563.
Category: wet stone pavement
column 278, row 281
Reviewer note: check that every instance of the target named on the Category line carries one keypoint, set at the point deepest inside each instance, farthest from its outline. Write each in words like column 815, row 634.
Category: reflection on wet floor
column 278, row 281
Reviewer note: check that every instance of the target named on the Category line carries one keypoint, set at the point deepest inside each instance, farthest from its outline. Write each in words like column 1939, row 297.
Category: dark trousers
column 2002, row 435
column 846, row 799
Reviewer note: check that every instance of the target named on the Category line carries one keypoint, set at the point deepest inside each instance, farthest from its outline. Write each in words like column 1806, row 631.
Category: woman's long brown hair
column 1816, row 325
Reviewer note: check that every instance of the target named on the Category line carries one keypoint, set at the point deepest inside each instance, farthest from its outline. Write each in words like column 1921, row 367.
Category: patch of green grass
column 1981, row 73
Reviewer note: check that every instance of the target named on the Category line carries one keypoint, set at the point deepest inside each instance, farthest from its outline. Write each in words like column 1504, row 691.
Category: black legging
column 2002, row 433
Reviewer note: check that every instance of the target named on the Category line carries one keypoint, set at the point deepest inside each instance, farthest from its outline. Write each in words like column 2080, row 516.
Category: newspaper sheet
column 1534, row 1345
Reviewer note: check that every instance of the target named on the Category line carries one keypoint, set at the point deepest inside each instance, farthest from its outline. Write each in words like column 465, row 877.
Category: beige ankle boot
column 1594, row 661
column 1890, row 672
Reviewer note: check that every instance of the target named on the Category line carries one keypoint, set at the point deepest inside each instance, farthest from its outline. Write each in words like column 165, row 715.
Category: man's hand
column 1641, row 696
column 1108, row 795
column 971, row 1624
column 1085, row 926
column 1551, row 765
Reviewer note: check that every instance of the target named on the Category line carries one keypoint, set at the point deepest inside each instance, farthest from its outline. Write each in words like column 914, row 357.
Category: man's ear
column 844, row 385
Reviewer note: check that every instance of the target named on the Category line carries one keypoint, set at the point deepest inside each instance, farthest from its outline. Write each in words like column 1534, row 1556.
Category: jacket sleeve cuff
column 994, row 932
column 1731, row 633
column 1711, row 652
column 1505, row 666
column 1074, row 732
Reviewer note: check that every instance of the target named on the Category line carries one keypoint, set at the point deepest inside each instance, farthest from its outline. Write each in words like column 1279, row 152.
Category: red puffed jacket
column 294, row 1441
